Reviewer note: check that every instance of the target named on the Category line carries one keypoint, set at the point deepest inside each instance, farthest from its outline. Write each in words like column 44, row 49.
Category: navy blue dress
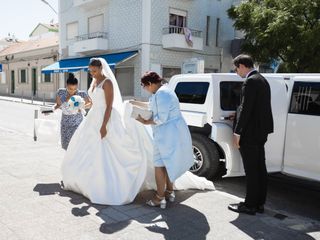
column 69, row 120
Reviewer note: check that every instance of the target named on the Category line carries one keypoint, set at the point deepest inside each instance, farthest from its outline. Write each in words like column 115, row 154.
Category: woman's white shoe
column 162, row 203
column 170, row 196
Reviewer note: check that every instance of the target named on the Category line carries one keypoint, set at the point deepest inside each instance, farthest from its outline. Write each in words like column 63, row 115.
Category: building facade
column 164, row 33
column 21, row 68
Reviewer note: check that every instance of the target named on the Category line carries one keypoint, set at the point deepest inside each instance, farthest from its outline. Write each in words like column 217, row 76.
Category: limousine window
column 192, row 92
column 230, row 95
column 305, row 98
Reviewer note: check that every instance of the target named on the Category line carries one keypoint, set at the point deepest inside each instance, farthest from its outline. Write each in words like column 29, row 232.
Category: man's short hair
column 243, row 59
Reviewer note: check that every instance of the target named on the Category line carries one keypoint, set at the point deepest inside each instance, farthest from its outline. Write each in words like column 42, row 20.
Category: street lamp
column 45, row 2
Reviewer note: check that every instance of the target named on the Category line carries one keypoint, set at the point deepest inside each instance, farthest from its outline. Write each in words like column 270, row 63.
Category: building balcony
column 92, row 42
column 179, row 38
column 88, row 4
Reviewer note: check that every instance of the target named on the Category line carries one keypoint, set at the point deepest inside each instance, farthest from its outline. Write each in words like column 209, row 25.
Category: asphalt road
column 286, row 195
column 292, row 205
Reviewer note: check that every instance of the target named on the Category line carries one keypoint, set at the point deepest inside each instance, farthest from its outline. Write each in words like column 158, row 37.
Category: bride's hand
column 103, row 131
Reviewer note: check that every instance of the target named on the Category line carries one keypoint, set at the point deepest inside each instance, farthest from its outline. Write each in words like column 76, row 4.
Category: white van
column 207, row 99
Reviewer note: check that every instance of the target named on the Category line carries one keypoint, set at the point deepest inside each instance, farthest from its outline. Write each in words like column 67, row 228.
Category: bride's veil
column 117, row 99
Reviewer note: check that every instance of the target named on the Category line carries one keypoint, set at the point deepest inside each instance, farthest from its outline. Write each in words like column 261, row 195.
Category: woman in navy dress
column 69, row 120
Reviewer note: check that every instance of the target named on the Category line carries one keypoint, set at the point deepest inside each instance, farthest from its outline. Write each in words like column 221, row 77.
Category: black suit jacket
column 254, row 120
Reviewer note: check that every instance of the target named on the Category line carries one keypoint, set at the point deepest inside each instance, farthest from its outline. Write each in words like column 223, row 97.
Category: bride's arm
column 108, row 92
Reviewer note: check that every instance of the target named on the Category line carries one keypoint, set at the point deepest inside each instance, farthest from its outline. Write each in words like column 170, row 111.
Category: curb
column 17, row 100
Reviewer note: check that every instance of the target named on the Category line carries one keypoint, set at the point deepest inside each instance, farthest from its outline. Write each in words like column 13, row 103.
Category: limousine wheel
column 206, row 157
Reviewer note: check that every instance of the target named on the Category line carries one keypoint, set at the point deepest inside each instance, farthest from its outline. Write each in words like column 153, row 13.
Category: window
column 217, row 32
column 95, row 24
column 230, row 95
column 3, row 77
column 167, row 73
column 72, row 30
column 192, row 92
column 305, row 98
column 207, row 31
column 23, row 75
column 47, row 78
column 177, row 20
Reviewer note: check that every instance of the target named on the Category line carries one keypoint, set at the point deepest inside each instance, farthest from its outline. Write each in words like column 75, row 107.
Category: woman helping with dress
column 172, row 145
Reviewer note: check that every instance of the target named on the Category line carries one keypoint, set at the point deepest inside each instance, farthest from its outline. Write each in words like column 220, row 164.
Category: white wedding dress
column 113, row 170
column 109, row 170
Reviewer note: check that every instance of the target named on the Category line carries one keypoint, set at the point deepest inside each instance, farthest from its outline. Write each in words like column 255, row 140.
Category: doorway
column 34, row 81
column 12, row 82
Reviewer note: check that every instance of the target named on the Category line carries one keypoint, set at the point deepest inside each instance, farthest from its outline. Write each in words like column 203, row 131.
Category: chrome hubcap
column 198, row 160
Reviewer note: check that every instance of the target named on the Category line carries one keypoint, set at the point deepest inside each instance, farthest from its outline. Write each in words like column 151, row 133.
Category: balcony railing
column 180, row 30
column 91, row 36
column 89, row 4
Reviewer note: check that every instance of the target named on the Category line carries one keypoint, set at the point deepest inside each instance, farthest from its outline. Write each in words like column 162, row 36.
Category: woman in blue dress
column 172, row 145
column 69, row 120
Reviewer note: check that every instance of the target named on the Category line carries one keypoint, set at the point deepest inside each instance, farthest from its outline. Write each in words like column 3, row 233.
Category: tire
column 206, row 156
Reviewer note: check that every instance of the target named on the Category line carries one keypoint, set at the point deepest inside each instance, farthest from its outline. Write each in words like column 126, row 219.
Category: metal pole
column 22, row 96
column 44, row 98
column 34, row 125
column 45, row 2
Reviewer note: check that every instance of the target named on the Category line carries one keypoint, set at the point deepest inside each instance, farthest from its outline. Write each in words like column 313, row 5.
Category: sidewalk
column 38, row 102
column 34, row 206
column 24, row 100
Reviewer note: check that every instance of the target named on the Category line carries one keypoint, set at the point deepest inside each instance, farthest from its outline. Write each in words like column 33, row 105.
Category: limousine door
column 302, row 142
column 230, row 99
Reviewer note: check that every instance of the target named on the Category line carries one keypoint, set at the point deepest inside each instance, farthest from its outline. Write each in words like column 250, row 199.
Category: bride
column 109, row 158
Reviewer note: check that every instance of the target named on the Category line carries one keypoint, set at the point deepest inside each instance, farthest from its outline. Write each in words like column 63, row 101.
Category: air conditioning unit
column 193, row 65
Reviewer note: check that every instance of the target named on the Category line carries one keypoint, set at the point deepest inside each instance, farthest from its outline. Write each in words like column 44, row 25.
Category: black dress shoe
column 260, row 209
column 242, row 208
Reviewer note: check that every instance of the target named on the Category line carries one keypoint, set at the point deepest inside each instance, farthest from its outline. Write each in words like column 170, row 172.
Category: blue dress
column 172, row 142
column 69, row 120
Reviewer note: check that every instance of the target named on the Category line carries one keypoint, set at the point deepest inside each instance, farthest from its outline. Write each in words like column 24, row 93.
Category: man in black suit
column 252, row 124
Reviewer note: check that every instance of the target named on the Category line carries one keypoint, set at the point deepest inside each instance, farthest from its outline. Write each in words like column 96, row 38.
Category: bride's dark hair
column 95, row 62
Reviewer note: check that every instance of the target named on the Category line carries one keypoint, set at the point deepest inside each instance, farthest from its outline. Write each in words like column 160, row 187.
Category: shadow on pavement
column 76, row 199
column 173, row 222
column 292, row 208
column 268, row 229
column 285, row 194
column 177, row 221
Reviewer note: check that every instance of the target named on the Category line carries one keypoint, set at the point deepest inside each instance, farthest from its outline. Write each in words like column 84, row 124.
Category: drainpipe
column 146, row 39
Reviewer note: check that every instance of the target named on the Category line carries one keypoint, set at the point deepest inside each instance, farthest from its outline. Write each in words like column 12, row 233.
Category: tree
column 288, row 30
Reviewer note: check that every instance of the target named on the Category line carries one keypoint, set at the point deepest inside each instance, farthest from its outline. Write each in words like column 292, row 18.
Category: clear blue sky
column 22, row 16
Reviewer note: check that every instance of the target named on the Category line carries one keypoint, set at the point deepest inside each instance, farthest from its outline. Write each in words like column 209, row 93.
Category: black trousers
column 254, row 162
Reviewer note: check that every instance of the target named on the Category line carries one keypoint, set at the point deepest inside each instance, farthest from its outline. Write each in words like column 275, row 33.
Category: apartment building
column 140, row 35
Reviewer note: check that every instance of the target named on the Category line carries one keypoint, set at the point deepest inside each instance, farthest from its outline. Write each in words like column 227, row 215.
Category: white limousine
column 293, row 148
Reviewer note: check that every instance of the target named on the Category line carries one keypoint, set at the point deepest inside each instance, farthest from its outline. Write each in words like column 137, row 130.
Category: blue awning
column 0, row 67
column 77, row 64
